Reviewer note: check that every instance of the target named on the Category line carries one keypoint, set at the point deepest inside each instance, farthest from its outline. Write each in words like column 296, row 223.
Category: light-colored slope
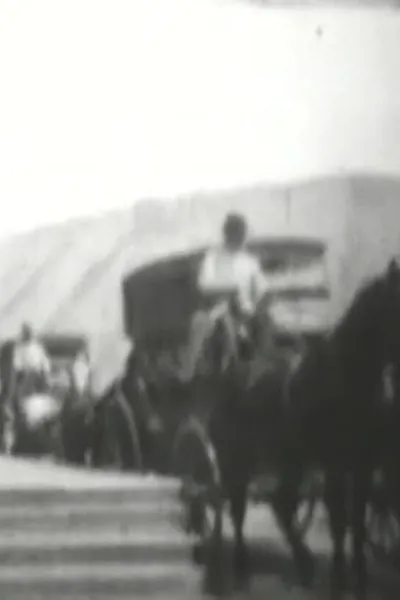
column 25, row 261
column 42, row 272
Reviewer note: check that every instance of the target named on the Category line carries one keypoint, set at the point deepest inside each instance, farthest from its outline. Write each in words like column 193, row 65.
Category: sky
column 103, row 102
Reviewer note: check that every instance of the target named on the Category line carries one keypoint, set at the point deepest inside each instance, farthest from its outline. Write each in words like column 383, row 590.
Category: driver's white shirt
column 237, row 271
column 31, row 356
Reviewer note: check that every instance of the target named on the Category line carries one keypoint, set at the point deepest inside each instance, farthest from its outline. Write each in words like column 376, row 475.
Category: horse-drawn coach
column 222, row 431
column 46, row 414
column 145, row 405
column 167, row 418
column 159, row 302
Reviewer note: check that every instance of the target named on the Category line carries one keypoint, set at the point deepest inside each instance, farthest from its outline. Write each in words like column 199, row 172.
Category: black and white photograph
column 199, row 300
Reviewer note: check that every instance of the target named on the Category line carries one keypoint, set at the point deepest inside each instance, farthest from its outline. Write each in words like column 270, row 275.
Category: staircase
column 69, row 534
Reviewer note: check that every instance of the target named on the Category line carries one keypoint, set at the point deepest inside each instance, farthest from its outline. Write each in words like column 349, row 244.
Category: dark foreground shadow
column 273, row 572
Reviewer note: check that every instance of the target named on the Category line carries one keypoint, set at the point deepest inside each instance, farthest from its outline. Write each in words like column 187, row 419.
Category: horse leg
column 237, row 494
column 335, row 501
column 361, row 481
column 214, row 582
column 285, row 503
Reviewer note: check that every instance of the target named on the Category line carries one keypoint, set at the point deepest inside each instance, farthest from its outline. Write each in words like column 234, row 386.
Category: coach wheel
column 201, row 497
column 116, row 437
column 53, row 439
column 76, row 433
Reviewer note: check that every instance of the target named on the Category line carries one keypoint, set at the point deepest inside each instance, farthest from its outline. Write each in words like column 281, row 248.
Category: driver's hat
column 236, row 224
column 26, row 329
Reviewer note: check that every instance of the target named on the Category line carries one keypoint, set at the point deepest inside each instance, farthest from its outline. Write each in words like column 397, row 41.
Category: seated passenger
column 30, row 357
column 226, row 272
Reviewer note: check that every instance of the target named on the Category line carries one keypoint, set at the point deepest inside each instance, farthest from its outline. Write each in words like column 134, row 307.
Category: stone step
column 70, row 533
column 89, row 547
column 107, row 579
column 28, row 481
column 51, row 495
column 120, row 594
column 276, row 580
column 88, row 515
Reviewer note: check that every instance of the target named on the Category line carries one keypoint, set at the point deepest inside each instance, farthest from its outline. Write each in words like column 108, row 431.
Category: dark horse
column 325, row 414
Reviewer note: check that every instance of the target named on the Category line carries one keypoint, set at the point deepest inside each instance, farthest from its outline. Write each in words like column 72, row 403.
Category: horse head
column 390, row 313
column 391, row 324
column 368, row 335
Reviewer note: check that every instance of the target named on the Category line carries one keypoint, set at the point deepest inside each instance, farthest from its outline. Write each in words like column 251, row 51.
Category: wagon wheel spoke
column 110, row 455
column 117, row 444
column 195, row 463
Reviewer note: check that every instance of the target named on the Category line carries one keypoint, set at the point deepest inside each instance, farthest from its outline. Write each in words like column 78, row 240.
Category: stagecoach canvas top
column 160, row 298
